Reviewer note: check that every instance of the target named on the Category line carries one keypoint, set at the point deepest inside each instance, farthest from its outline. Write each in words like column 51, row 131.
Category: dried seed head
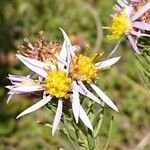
column 42, row 50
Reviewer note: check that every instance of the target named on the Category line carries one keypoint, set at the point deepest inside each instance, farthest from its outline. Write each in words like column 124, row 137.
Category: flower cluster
column 62, row 76
column 61, row 72
column 130, row 20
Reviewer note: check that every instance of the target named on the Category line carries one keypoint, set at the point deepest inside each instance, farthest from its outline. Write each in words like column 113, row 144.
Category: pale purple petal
column 107, row 63
column 121, row 3
column 75, row 104
column 16, row 78
column 125, row 1
column 139, row 34
column 27, row 89
column 35, row 65
column 117, row 8
column 10, row 87
column 84, row 91
column 68, row 43
column 9, row 97
column 83, row 116
column 141, row 11
column 57, row 116
column 133, row 44
column 141, row 25
column 36, row 106
column 104, row 97
column 115, row 48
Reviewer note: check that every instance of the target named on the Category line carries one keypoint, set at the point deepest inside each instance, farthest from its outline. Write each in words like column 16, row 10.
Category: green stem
column 109, row 135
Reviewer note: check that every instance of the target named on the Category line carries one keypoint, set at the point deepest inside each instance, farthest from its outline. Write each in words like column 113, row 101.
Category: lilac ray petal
column 133, row 44
column 125, row 1
column 26, row 89
column 57, row 116
column 138, row 34
column 68, row 43
column 84, row 91
column 107, row 63
column 83, row 116
column 104, row 97
column 75, row 104
column 117, row 8
column 141, row 11
column 36, row 106
column 141, row 25
column 34, row 65
column 10, row 87
column 34, row 62
column 121, row 3
column 9, row 97
column 63, row 55
column 16, row 78
column 63, row 52
column 114, row 49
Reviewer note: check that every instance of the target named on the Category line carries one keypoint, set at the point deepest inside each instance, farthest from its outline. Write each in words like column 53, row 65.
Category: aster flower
column 58, row 79
column 84, row 70
column 53, row 81
column 126, row 22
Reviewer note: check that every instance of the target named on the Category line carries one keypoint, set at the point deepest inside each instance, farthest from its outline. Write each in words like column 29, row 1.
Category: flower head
column 64, row 80
column 58, row 84
column 82, row 68
column 126, row 22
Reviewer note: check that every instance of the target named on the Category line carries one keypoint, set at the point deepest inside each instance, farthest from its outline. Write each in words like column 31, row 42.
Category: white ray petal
column 107, row 63
column 138, row 34
column 121, row 3
column 141, row 11
column 75, row 103
column 36, row 106
column 133, row 44
column 16, row 78
column 36, row 66
column 84, row 91
column 57, row 116
column 83, row 116
column 141, row 25
column 115, row 48
column 68, row 43
column 9, row 97
column 104, row 97
column 26, row 89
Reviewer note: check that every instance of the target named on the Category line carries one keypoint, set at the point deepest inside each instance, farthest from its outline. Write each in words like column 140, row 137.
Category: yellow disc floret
column 83, row 68
column 58, row 84
column 120, row 26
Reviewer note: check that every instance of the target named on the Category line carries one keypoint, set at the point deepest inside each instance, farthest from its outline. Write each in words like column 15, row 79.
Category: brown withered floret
column 137, row 5
column 42, row 50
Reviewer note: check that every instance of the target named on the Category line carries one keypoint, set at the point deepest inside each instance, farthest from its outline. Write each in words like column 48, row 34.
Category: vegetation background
column 83, row 21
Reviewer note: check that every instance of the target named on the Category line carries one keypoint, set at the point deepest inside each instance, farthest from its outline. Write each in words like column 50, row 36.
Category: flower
column 62, row 80
column 53, row 81
column 126, row 21
column 84, row 70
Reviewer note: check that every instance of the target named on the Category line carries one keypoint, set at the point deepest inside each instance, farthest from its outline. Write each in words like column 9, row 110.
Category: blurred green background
column 82, row 20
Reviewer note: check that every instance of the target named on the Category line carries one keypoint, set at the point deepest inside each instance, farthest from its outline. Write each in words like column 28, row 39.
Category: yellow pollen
column 58, row 84
column 120, row 26
column 83, row 68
